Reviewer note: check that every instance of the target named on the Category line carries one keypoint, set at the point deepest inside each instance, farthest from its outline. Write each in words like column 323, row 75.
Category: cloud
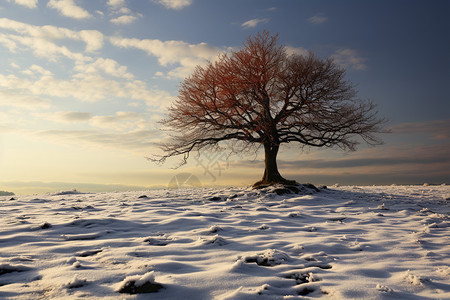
column 27, row 3
column 116, row 3
column 5, row 129
column 86, row 87
column 123, row 20
column 105, row 65
column 122, row 120
column 296, row 50
column 318, row 19
column 172, row 52
column 15, row 98
column 69, row 9
column 41, row 39
column 8, row 43
column 92, row 38
column 37, row 70
column 71, row 116
column 253, row 23
column 349, row 58
column 118, row 7
column 174, row 4
column 137, row 141
column 437, row 129
column 47, row 49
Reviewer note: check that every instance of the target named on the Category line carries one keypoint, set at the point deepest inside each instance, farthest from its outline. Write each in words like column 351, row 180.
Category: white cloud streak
column 69, row 9
column 172, row 52
column 122, row 120
column 125, row 19
column 118, row 7
column 116, row 3
column 296, row 50
column 71, row 116
column 318, row 19
column 41, row 38
column 106, row 66
column 27, row 3
column 174, row 4
column 253, row 23
column 349, row 58
column 84, row 87
column 137, row 141
column 37, row 70
column 437, row 129
column 15, row 98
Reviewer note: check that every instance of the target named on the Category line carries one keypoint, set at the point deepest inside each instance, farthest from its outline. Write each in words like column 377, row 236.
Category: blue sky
column 84, row 83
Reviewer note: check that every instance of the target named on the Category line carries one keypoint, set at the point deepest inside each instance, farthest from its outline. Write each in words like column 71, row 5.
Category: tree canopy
column 261, row 96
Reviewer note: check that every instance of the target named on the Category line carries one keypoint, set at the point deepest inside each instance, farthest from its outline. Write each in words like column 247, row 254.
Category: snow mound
column 268, row 258
column 76, row 282
column 7, row 268
column 139, row 284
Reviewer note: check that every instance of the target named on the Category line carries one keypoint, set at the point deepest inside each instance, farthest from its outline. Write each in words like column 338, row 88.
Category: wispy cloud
column 69, row 9
column 37, row 70
column 116, row 3
column 86, row 87
column 27, row 3
column 253, row 23
column 15, row 98
column 296, row 50
column 349, row 58
column 106, row 66
column 437, row 129
column 138, row 141
column 125, row 19
column 318, row 19
column 41, row 39
column 71, row 116
column 123, row 15
column 172, row 52
column 174, row 4
column 122, row 121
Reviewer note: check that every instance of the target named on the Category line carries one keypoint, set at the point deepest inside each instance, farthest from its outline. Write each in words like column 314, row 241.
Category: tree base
column 265, row 183
column 286, row 187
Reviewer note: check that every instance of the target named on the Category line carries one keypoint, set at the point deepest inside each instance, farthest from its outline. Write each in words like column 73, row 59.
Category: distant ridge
column 4, row 193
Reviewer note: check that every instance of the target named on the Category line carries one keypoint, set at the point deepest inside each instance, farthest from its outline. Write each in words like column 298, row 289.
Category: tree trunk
column 271, row 174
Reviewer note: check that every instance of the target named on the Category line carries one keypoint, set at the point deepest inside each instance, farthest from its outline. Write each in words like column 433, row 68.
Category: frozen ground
column 345, row 242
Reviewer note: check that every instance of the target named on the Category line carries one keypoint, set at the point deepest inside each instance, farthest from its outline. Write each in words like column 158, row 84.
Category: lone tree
column 262, row 96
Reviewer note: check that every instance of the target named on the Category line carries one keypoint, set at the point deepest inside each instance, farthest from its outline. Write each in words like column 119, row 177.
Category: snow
column 380, row 242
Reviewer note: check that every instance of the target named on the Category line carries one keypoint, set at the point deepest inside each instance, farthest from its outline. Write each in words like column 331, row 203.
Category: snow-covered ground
column 238, row 243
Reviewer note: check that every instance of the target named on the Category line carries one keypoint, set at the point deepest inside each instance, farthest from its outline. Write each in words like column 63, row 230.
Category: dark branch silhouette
column 261, row 96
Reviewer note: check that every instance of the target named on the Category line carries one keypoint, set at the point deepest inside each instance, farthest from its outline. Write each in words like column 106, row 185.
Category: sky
column 83, row 84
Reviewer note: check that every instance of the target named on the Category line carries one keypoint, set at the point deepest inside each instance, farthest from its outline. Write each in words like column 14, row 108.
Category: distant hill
column 3, row 193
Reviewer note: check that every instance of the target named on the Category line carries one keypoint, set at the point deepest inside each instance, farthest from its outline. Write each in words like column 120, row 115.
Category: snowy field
column 237, row 243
